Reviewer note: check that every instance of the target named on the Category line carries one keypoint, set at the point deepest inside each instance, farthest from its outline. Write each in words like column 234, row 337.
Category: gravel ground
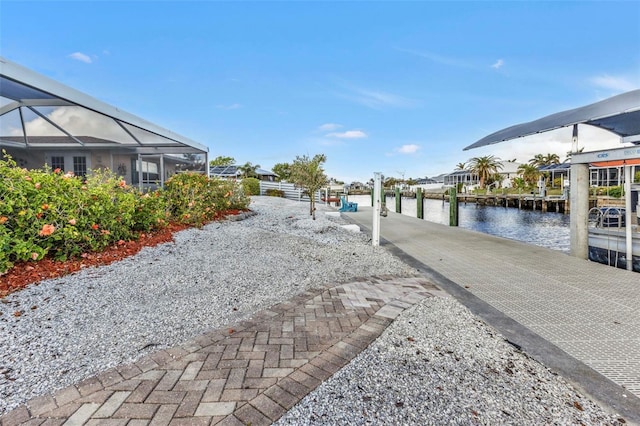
column 76, row 326
column 436, row 364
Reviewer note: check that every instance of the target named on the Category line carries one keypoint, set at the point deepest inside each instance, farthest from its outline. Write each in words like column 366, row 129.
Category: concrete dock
column 579, row 318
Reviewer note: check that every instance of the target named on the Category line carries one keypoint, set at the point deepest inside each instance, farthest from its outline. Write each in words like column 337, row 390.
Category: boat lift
column 620, row 115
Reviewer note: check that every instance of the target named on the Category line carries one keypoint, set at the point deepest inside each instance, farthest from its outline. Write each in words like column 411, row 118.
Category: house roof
column 555, row 167
column 232, row 171
column 224, row 171
column 619, row 114
column 38, row 112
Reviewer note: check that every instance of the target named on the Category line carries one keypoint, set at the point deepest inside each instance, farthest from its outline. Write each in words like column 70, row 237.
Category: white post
column 579, row 215
column 377, row 181
column 627, row 206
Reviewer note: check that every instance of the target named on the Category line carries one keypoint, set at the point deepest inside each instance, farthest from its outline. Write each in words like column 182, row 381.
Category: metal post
column 373, row 191
column 578, row 218
column 398, row 201
column 419, row 203
column 140, row 186
column 162, row 171
column 627, row 205
column 375, row 234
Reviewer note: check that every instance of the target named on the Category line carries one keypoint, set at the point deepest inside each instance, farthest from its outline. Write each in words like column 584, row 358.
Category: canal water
column 549, row 230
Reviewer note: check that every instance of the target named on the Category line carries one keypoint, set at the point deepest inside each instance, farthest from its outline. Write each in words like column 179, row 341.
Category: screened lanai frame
column 38, row 114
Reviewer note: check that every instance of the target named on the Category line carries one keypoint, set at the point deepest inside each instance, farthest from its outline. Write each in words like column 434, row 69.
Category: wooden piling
column 419, row 203
column 398, row 201
column 453, row 207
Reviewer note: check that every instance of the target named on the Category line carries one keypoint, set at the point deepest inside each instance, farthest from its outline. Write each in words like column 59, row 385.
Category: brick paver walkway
column 247, row 373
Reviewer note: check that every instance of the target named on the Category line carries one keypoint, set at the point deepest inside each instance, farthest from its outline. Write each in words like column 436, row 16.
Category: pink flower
column 34, row 256
column 37, row 185
column 47, row 230
column 72, row 221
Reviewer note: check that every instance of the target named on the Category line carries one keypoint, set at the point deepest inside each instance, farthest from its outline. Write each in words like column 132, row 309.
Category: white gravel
column 436, row 364
column 81, row 324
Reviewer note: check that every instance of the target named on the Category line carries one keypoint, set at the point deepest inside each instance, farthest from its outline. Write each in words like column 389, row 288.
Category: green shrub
column 251, row 186
column 274, row 193
column 45, row 212
column 195, row 199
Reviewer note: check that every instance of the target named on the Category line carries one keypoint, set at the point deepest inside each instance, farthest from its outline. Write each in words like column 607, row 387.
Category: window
column 149, row 172
column 80, row 166
column 57, row 162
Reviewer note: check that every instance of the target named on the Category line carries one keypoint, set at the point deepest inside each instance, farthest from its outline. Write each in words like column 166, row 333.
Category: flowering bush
column 195, row 199
column 45, row 212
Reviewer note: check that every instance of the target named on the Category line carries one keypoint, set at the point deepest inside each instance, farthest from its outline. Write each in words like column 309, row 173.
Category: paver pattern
column 247, row 373
column 588, row 310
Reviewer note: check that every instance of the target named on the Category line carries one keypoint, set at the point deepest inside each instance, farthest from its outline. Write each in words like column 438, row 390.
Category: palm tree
column 541, row 160
column 461, row 166
column 550, row 159
column 537, row 160
column 529, row 173
column 484, row 167
column 248, row 170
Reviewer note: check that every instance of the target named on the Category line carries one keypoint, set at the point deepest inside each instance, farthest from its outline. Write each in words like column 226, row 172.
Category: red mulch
column 24, row 273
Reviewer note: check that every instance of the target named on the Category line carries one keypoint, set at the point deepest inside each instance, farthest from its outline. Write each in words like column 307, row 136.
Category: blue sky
column 396, row 87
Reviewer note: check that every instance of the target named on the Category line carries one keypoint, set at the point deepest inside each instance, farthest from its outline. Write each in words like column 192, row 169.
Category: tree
column 484, row 167
column 222, row 161
column 461, row 166
column 541, row 160
column 550, row 159
column 529, row 173
column 283, row 170
column 248, row 170
column 308, row 174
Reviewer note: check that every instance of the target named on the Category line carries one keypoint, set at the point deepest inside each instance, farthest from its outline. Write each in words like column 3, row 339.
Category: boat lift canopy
column 619, row 114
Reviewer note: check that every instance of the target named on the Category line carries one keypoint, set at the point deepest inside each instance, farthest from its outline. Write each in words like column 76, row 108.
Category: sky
column 394, row 87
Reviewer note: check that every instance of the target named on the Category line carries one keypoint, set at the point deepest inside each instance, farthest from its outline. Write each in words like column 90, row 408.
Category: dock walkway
column 580, row 318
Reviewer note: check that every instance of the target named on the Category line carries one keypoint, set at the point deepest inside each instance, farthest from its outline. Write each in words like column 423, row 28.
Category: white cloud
column 375, row 99
column 499, row 63
column 408, row 149
column 229, row 107
column 349, row 134
column 328, row 127
column 438, row 59
column 78, row 56
column 609, row 82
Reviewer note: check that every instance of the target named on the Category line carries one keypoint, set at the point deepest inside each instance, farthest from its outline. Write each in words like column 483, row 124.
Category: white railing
column 289, row 190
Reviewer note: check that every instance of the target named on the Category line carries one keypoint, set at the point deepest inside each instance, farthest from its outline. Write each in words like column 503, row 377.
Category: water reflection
column 549, row 230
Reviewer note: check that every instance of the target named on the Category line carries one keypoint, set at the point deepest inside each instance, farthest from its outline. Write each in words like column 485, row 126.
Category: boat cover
column 619, row 114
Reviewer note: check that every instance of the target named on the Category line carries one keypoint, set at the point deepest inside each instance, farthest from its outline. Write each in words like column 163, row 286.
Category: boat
column 607, row 238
